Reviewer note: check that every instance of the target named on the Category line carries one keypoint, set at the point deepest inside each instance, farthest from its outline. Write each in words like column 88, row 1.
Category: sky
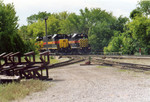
column 26, row 8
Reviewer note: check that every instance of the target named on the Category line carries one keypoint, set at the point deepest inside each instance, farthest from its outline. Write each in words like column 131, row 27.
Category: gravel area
column 135, row 61
column 75, row 83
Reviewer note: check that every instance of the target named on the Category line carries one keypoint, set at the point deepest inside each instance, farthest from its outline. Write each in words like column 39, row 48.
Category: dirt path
column 75, row 83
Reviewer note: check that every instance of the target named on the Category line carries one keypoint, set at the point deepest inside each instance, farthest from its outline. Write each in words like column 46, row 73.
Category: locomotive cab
column 39, row 43
column 39, row 38
column 61, row 40
column 47, row 42
column 79, row 43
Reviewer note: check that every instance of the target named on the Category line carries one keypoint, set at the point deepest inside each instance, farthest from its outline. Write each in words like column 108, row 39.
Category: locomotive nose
column 63, row 43
column 83, row 43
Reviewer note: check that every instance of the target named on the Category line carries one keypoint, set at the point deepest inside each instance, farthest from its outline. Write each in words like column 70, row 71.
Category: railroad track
column 112, row 56
column 121, row 64
column 71, row 60
column 98, row 59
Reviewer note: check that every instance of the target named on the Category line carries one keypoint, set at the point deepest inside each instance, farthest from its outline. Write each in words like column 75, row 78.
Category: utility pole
column 46, row 33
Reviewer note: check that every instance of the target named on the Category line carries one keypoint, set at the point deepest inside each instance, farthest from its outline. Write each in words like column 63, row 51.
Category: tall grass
column 53, row 61
column 15, row 91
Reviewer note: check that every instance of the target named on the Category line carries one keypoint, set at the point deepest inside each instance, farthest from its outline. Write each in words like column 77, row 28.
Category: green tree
column 144, row 6
column 23, row 32
column 140, row 28
column 119, row 24
column 115, row 44
column 35, row 17
column 136, row 35
column 99, row 25
column 35, row 29
column 71, row 24
column 135, row 13
column 10, row 41
column 61, row 16
column 53, row 25
column 100, row 36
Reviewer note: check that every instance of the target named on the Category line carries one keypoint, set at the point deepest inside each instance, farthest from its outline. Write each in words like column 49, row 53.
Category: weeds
column 102, row 66
column 123, row 70
column 15, row 91
column 147, row 72
column 53, row 61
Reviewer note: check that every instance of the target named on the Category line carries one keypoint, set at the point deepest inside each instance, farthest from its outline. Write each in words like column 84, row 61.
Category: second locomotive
column 63, row 43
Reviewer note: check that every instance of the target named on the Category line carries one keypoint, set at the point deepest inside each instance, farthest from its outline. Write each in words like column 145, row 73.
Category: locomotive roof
column 59, row 36
column 78, row 35
column 39, row 38
column 48, row 36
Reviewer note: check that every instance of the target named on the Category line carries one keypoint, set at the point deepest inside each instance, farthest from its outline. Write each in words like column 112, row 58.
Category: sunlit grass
column 53, row 61
column 102, row 66
column 147, row 72
column 123, row 70
column 16, row 91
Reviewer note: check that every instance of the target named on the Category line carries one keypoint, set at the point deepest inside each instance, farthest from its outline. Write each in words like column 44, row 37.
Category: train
column 64, row 43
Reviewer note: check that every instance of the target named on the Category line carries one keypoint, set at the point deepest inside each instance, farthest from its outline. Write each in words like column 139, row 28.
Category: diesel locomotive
column 63, row 43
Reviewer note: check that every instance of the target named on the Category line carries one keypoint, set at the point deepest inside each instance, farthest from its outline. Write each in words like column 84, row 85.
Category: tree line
column 135, row 37
column 106, row 32
column 98, row 24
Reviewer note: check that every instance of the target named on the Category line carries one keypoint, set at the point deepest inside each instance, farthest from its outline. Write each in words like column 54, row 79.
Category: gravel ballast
column 75, row 83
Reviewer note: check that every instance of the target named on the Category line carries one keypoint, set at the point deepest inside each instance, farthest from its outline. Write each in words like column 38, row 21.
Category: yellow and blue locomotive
column 62, row 43
column 79, row 43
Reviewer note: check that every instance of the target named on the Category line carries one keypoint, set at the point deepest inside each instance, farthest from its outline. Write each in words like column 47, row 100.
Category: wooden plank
column 6, row 79
column 1, row 55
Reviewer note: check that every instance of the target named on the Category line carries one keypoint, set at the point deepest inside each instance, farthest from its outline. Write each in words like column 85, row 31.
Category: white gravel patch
column 75, row 83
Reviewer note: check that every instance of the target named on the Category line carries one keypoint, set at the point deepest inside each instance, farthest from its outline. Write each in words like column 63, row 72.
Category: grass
column 131, row 72
column 53, row 61
column 102, row 66
column 123, row 70
column 147, row 72
column 16, row 91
